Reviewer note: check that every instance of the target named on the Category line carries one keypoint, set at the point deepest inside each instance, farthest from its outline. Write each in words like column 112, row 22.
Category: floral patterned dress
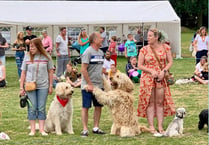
column 147, row 83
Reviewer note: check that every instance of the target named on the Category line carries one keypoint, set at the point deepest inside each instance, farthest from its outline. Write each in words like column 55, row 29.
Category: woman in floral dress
column 155, row 96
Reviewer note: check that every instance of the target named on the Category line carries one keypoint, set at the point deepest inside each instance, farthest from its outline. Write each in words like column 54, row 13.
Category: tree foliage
column 193, row 13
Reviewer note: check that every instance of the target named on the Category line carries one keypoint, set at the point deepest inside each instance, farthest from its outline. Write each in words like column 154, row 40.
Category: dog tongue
column 63, row 102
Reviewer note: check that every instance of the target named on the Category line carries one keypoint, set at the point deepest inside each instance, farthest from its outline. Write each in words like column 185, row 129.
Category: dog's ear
column 129, row 85
column 59, row 89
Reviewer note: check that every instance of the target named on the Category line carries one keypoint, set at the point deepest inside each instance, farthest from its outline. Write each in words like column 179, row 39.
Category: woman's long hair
column 37, row 42
column 81, row 35
column 19, row 40
column 200, row 31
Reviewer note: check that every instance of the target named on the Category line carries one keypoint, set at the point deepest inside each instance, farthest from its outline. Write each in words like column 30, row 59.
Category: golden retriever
column 59, row 118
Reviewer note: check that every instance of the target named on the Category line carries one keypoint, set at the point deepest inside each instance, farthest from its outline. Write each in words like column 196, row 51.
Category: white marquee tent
column 61, row 13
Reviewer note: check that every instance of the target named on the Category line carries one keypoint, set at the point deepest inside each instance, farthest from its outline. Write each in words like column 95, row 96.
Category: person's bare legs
column 41, row 125
column 151, row 112
column 159, row 108
column 84, row 118
column 32, row 126
column 201, row 81
column 97, row 115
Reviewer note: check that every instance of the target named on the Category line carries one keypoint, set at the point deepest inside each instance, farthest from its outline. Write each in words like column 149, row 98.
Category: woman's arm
column 169, row 59
column 143, row 68
column 22, row 80
column 50, row 74
column 82, row 43
column 5, row 45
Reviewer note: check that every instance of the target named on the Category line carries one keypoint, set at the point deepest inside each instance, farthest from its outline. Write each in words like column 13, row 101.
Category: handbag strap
column 155, row 54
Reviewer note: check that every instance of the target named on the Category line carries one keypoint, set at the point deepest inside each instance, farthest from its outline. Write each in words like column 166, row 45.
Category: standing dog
column 121, row 103
column 203, row 116
column 59, row 118
column 175, row 128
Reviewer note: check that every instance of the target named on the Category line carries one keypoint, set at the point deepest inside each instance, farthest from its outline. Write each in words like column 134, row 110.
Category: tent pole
column 143, row 34
column 122, row 35
column 52, row 39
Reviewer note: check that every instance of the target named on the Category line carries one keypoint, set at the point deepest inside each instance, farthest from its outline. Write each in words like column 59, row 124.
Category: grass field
column 193, row 97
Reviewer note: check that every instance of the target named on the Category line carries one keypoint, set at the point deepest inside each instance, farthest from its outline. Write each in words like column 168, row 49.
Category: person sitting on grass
column 72, row 76
column 132, row 70
column 2, row 75
column 55, row 79
column 203, row 78
column 199, row 67
column 113, row 70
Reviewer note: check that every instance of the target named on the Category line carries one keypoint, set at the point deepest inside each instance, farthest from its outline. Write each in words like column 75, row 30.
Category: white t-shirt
column 104, row 43
column 201, row 45
column 107, row 64
column 199, row 67
column 63, row 45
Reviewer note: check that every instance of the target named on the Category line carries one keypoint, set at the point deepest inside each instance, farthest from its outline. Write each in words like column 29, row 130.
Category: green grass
column 191, row 96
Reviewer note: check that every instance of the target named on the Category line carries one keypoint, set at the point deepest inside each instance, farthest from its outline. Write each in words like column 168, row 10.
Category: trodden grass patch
column 194, row 97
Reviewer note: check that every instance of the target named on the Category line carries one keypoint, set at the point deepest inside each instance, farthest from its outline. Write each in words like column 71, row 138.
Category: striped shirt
column 43, row 64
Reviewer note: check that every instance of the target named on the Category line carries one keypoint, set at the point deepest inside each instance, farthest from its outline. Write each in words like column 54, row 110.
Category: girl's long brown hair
column 37, row 42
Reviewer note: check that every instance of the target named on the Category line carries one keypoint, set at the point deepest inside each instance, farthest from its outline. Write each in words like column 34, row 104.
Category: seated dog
column 175, row 128
column 59, row 118
column 203, row 119
column 121, row 103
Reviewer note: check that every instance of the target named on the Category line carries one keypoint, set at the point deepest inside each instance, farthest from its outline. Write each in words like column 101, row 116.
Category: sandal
column 153, row 131
column 161, row 131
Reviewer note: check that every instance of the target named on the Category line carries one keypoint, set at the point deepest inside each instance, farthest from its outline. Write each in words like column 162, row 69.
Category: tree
column 193, row 13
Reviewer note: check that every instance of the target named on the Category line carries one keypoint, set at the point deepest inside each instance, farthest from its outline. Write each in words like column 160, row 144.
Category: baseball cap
column 28, row 28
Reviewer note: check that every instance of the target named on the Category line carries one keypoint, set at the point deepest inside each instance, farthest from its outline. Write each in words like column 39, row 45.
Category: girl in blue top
column 83, row 41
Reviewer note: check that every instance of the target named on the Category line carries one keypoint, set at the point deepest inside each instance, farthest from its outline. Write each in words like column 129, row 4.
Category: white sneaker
column 31, row 134
column 44, row 133
column 157, row 135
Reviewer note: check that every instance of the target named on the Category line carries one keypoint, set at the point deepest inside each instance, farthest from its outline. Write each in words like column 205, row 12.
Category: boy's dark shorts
column 87, row 98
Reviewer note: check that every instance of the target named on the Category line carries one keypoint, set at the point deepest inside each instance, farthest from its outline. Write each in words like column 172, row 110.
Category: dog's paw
column 85, row 88
column 59, row 133
column 71, row 132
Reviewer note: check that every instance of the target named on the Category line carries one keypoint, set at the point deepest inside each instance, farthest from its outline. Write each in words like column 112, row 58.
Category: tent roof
column 85, row 12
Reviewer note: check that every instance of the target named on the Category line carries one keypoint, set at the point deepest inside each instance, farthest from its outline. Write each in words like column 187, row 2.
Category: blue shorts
column 88, row 98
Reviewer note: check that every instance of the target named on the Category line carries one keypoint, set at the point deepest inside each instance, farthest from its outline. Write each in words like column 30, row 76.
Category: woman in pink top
column 111, row 48
column 47, row 42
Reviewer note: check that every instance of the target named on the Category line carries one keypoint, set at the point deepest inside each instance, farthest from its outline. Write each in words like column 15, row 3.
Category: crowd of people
column 98, row 60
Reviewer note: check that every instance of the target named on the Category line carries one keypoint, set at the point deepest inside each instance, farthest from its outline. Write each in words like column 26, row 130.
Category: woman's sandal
column 161, row 131
column 153, row 131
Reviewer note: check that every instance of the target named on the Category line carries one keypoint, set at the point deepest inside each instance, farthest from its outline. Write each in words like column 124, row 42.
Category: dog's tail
column 144, row 129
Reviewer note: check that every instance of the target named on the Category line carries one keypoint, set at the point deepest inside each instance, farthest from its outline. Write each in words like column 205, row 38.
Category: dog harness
column 63, row 102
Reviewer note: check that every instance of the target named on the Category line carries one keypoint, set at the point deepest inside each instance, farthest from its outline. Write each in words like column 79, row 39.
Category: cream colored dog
column 120, row 101
column 175, row 128
column 59, row 118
